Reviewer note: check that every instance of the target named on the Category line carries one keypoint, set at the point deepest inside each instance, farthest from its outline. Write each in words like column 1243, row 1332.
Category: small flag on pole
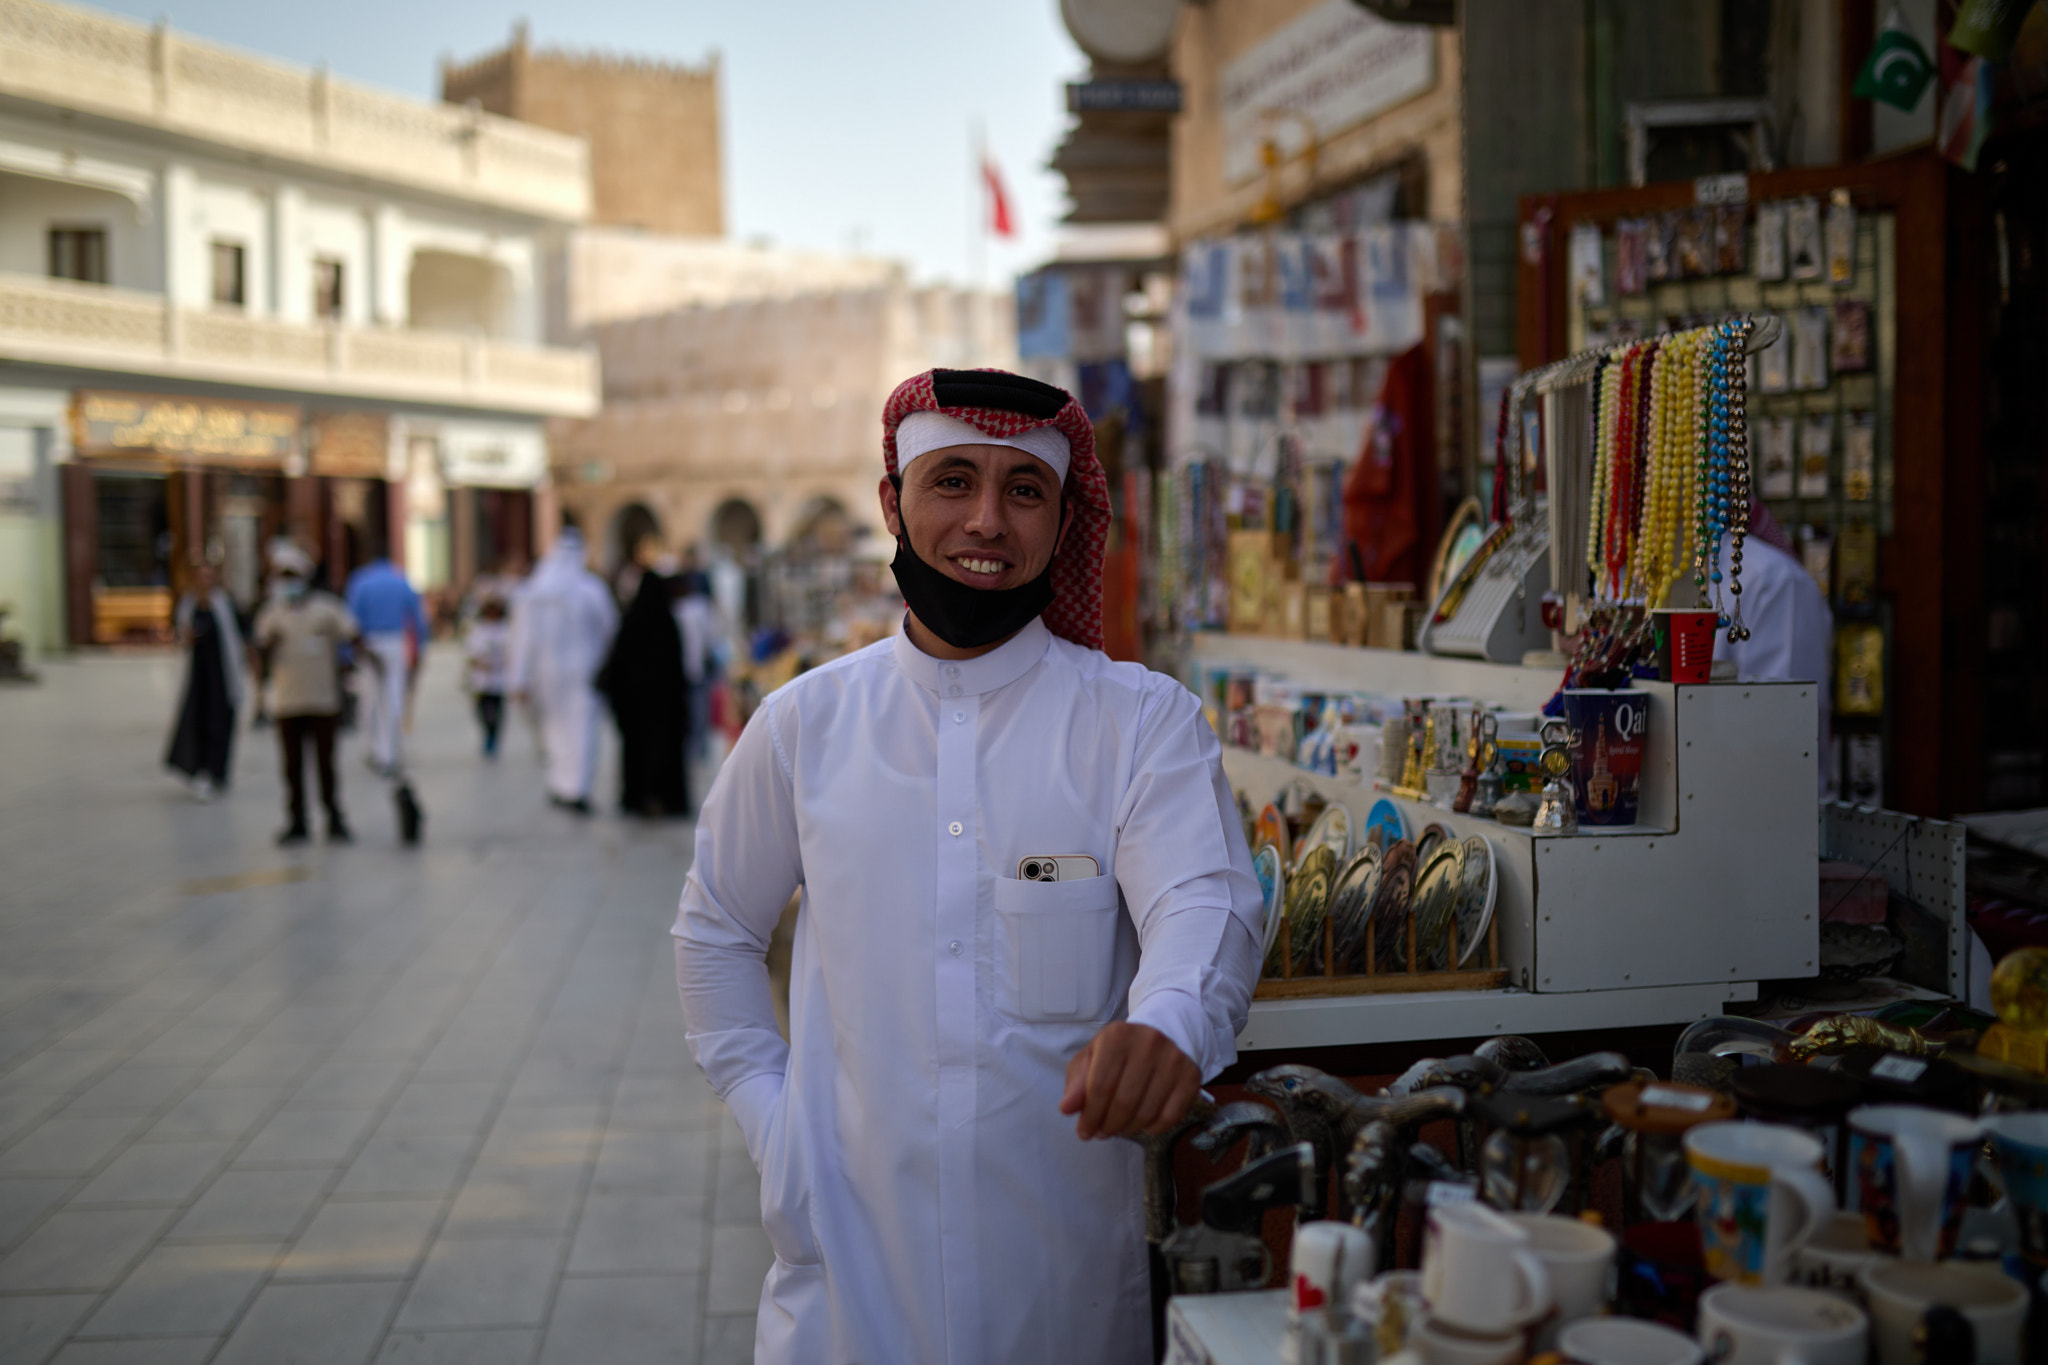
column 1966, row 114
column 999, row 221
column 1898, row 68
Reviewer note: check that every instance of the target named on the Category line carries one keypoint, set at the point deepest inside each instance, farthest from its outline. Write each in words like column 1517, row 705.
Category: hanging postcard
column 1774, row 363
column 1863, row 769
column 1856, row 563
column 1817, row 553
column 1587, row 283
column 1658, row 231
column 1810, row 348
column 1805, row 252
column 1631, row 256
column 1841, row 240
column 1851, row 349
column 1730, row 239
column 1859, row 457
column 1770, row 242
column 1692, row 244
column 1816, row 438
column 1775, row 478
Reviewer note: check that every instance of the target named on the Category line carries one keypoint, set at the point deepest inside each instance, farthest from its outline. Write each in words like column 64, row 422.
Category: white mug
column 1579, row 1258
column 1479, row 1271
column 1627, row 1341
column 1329, row 1261
column 1909, row 1170
column 1900, row 1293
column 1746, row 1324
column 1439, row 1343
column 1835, row 1254
column 1761, row 1197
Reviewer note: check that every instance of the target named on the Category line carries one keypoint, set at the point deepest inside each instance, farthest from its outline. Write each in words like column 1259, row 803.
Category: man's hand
column 1129, row 1077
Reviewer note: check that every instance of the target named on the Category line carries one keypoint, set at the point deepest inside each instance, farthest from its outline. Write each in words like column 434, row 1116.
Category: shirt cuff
column 753, row 1103
column 1185, row 1023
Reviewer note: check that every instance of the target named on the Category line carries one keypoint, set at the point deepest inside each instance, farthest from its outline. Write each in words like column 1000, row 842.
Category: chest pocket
column 1059, row 946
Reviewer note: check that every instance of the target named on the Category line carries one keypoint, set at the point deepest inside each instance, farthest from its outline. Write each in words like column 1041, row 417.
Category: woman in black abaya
column 202, row 745
column 643, row 680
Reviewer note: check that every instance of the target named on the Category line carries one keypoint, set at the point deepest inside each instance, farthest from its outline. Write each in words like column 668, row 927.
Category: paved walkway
column 344, row 1104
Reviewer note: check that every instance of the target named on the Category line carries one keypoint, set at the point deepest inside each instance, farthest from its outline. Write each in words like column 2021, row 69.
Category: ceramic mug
column 1900, row 1293
column 1761, row 1197
column 1439, row 1343
column 1579, row 1258
column 1744, row 1324
column 1329, row 1261
column 1480, row 1274
column 1909, row 1174
column 1835, row 1255
column 1627, row 1341
column 2020, row 1143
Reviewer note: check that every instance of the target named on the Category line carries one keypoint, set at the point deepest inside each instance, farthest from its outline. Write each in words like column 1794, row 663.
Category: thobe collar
column 1000, row 667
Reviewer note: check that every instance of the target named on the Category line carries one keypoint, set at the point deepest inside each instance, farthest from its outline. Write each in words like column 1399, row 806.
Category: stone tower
column 652, row 126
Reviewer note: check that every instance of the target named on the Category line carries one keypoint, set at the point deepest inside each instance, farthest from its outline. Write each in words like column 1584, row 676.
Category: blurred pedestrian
column 561, row 633
column 395, row 629
column 697, row 623
column 644, row 682
column 487, row 648
column 202, row 745
column 301, row 633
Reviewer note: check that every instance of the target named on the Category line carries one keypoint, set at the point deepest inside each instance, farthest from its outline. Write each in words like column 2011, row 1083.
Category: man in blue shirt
column 394, row 626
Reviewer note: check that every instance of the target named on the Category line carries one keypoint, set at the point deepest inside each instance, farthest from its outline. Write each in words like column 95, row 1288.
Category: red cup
column 1685, row 644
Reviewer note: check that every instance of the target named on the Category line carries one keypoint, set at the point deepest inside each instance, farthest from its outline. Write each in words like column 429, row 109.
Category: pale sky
column 846, row 126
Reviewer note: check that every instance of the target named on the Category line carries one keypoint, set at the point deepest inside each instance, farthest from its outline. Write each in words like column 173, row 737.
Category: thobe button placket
column 954, row 829
column 954, row 690
column 957, row 894
column 954, row 947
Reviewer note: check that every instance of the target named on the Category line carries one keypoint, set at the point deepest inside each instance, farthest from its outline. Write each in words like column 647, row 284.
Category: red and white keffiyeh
column 1076, row 610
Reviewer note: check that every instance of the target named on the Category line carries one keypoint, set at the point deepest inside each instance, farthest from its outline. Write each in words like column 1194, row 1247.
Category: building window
column 327, row 288
column 78, row 254
column 229, row 280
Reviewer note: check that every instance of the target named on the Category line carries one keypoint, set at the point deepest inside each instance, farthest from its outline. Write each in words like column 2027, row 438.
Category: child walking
column 487, row 649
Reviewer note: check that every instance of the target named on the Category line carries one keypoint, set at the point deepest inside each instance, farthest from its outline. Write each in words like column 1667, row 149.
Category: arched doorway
column 632, row 526
column 736, row 528
column 823, row 528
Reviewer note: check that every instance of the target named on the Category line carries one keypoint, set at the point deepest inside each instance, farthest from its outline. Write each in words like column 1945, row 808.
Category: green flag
column 1898, row 69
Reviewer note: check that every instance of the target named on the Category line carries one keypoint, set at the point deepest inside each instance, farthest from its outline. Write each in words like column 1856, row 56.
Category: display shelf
column 1662, row 922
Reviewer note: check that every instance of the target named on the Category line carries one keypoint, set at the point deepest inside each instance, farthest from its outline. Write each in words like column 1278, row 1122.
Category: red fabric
column 1386, row 489
column 999, row 221
column 1076, row 610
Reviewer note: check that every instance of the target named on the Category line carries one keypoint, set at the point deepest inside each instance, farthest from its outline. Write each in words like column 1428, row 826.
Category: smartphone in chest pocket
column 1057, row 867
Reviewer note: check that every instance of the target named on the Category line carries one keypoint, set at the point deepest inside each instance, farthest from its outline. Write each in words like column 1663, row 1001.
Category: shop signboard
column 351, row 445
column 491, row 454
column 184, row 430
column 1334, row 67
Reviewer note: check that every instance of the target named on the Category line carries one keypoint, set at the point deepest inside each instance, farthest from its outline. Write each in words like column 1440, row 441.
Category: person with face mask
column 300, row 632
column 963, row 1032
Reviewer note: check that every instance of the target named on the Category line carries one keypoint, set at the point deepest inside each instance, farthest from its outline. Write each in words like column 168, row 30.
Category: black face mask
column 962, row 616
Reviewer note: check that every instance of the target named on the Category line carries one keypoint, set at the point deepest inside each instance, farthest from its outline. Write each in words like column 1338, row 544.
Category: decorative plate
column 1427, row 841
column 1271, row 828
column 1332, row 830
column 1479, row 888
column 1434, row 904
column 1351, row 904
column 1390, row 906
column 1385, row 817
column 1308, row 904
column 1272, row 887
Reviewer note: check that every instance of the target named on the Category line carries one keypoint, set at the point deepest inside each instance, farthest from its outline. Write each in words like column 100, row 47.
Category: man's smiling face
column 988, row 516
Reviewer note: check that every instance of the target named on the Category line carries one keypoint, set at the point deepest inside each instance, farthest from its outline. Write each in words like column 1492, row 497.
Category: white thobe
column 383, row 691
column 561, row 631
column 925, row 1199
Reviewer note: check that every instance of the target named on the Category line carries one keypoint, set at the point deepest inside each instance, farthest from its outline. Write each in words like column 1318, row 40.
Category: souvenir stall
column 1457, row 847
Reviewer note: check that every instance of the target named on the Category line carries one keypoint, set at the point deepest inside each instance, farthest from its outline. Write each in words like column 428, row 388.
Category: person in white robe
column 939, row 1179
column 562, row 628
column 1791, row 629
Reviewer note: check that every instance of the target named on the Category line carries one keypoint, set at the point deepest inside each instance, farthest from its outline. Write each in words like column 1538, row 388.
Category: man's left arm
column 1186, row 876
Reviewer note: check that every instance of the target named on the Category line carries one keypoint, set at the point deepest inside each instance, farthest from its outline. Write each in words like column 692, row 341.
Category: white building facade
column 241, row 299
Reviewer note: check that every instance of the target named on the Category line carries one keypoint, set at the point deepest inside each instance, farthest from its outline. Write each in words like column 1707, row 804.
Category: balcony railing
column 56, row 322
column 80, row 59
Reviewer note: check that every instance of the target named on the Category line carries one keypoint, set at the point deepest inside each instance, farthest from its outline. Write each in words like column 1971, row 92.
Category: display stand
column 1661, row 922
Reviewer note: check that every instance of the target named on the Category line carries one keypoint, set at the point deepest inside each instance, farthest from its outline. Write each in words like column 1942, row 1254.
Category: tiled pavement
column 344, row 1104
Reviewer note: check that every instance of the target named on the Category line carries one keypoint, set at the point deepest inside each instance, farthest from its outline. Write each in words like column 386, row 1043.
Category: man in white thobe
column 936, row 1179
column 1791, row 630
column 561, row 631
